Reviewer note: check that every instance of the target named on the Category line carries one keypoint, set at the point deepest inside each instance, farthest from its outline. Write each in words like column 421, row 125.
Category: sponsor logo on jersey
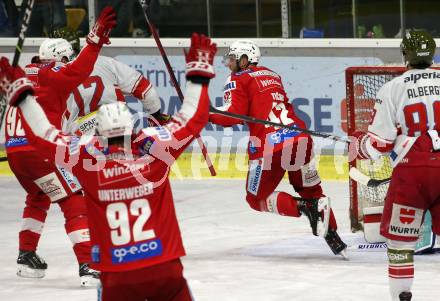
column 418, row 76
column 405, row 221
column 243, row 72
column 252, row 148
column 282, row 135
column 70, row 179
column 112, row 195
column 137, row 251
column 310, row 176
column 116, row 172
column 269, row 82
column 162, row 133
column 16, row 142
column 96, row 254
column 119, row 170
column 230, row 86
column 57, row 68
column 255, row 172
column 87, row 125
column 264, row 73
column 51, row 186
column 31, row 70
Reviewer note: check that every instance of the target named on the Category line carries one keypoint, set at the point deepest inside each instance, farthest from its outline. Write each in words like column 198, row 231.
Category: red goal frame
column 350, row 73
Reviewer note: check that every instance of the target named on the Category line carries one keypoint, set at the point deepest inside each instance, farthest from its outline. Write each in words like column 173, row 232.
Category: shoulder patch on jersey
column 57, row 68
column 230, row 86
column 161, row 132
column 31, row 70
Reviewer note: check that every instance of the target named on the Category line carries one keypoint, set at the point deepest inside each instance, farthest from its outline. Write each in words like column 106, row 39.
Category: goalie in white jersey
column 406, row 120
column 109, row 82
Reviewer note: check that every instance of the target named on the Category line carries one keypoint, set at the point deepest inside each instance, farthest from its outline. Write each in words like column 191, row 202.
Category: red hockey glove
column 158, row 119
column 102, row 28
column 13, row 83
column 200, row 57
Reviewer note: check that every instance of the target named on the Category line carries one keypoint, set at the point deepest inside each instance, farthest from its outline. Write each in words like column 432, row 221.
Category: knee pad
column 74, row 206
column 38, row 201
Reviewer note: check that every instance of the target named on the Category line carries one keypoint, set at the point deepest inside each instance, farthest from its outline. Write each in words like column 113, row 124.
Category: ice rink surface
column 234, row 253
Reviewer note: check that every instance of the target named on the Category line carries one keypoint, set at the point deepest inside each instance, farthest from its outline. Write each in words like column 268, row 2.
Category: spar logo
column 407, row 216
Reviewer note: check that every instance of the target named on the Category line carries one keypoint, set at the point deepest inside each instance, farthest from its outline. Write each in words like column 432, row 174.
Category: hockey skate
column 88, row 277
column 405, row 296
column 336, row 244
column 30, row 265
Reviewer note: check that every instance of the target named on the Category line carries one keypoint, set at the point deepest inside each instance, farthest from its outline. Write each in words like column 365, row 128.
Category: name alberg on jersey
column 422, row 90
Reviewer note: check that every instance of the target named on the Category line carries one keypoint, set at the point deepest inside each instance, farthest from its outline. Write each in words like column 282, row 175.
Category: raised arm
column 169, row 141
column 65, row 78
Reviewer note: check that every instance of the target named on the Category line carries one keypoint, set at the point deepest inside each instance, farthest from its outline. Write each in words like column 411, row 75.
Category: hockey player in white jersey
column 406, row 122
column 109, row 82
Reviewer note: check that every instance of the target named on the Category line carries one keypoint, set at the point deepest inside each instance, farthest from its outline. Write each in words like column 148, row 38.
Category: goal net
column 362, row 84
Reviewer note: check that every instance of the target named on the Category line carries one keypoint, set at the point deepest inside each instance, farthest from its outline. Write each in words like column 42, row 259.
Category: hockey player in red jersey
column 109, row 82
column 47, row 182
column 405, row 122
column 258, row 92
column 134, row 231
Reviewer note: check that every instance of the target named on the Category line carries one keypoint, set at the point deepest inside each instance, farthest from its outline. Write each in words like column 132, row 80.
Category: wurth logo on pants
column 407, row 216
column 405, row 221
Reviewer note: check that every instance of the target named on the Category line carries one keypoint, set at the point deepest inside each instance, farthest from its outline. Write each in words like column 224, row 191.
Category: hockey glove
column 100, row 32
column 363, row 146
column 200, row 57
column 158, row 118
column 13, row 83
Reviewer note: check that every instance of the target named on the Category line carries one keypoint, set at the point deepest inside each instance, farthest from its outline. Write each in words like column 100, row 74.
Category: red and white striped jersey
column 109, row 82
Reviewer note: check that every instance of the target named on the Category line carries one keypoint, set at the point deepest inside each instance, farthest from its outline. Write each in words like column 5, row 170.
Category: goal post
column 362, row 84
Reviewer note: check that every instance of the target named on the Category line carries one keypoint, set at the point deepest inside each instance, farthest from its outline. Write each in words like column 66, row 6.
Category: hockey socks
column 281, row 203
column 400, row 267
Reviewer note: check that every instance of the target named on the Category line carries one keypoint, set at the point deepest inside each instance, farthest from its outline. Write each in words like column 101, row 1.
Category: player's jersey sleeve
column 134, row 83
column 65, row 78
column 167, row 142
column 235, row 101
column 384, row 125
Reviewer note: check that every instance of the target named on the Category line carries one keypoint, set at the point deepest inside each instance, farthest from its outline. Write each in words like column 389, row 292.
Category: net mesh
column 365, row 87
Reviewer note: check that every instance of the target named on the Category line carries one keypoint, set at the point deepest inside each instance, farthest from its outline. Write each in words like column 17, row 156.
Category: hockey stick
column 267, row 122
column 363, row 179
column 145, row 4
column 26, row 8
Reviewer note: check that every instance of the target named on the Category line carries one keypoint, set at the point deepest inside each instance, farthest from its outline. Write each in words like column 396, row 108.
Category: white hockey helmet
column 114, row 120
column 247, row 47
column 55, row 50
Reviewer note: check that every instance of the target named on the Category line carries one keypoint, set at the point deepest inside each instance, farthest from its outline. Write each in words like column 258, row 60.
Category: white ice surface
column 234, row 253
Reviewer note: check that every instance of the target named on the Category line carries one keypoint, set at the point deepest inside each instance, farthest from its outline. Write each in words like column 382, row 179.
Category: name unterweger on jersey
column 423, row 91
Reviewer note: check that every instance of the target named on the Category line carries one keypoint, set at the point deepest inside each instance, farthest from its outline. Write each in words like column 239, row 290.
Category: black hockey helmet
column 418, row 48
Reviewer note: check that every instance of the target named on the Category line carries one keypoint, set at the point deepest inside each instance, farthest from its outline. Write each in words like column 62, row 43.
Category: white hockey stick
column 363, row 179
